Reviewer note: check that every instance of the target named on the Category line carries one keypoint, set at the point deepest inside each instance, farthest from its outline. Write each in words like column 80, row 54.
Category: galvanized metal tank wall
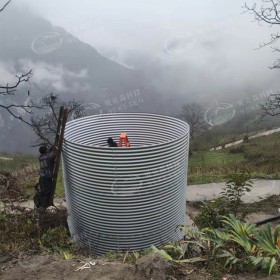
column 125, row 198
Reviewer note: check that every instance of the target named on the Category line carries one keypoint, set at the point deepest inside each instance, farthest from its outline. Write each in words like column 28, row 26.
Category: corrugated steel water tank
column 123, row 199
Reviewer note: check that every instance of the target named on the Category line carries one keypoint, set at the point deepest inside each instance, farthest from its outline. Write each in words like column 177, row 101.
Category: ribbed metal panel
column 125, row 198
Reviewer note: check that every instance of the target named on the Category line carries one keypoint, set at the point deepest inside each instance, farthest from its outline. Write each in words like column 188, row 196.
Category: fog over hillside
column 178, row 43
column 159, row 54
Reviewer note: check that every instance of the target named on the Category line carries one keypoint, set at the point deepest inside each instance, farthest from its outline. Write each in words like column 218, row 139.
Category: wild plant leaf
column 192, row 260
column 256, row 261
column 225, row 254
column 266, row 240
column 162, row 253
column 136, row 255
column 276, row 235
column 175, row 249
column 218, row 236
column 231, row 258
column 241, row 232
column 266, row 263
column 171, row 247
column 272, row 263
column 197, row 243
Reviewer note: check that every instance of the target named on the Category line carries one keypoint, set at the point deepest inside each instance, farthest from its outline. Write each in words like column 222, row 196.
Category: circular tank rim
column 119, row 149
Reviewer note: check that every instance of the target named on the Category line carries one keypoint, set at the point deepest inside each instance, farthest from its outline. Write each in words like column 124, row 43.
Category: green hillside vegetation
column 232, row 131
column 18, row 162
column 260, row 157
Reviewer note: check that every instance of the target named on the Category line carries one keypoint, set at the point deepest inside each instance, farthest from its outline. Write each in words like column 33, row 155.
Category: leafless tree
column 15, row 109
column 193, row 114
column 9, row 90
column 271, row 106
column 267, row 12
column 45, row 125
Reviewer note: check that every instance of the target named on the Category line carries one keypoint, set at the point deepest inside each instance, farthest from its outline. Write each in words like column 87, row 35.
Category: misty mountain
column 31, row 41
column 64, row 65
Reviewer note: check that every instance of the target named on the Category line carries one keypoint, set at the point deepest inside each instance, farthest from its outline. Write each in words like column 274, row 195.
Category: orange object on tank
column 124, row 138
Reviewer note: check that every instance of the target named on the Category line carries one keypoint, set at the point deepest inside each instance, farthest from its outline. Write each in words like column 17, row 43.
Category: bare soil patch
column 55, row 267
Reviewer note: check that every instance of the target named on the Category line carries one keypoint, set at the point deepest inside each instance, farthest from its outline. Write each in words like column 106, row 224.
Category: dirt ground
column 55, row 267
column 48, row 267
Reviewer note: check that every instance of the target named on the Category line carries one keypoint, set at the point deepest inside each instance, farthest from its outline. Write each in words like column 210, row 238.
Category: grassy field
column 16, row 162
column 208, row 166
column 260, row 157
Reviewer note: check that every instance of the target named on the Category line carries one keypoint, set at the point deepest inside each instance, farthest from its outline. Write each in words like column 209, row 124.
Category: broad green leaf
column 256, row 260
column 162, row 253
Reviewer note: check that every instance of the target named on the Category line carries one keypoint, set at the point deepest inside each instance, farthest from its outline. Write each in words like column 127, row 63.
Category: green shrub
column 246, row 139
column 236, row 186
column 211, row 213
column 237, row 150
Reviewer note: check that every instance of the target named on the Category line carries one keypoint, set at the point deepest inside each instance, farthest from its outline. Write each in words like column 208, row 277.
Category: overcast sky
column 139, row 25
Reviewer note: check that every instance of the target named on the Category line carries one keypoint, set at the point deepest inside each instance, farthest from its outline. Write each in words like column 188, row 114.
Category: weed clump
column 237, row 150
column 22, row 230
column 10, row 188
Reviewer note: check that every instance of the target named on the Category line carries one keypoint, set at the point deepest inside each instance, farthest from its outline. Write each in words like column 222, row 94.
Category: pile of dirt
column 10, row 187
column 153, row 266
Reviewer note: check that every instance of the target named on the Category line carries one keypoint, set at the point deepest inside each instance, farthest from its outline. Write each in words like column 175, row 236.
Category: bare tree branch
column 5, row 5
column 45, row 125
column 271, row 106
column 10, row 89
column 25, row 108
column 268, row 12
